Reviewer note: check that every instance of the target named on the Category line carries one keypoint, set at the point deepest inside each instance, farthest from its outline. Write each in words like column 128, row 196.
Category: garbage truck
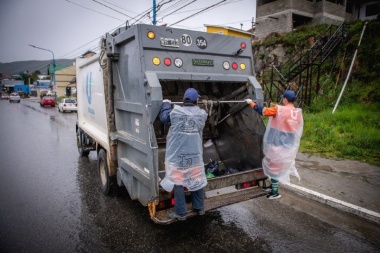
column 120, row 91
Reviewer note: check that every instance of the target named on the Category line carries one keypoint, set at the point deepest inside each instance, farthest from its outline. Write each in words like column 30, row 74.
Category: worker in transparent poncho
column 184, row 165
column 281, row 140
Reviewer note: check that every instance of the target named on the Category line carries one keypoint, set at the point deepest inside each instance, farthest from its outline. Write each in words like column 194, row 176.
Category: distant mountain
column 14, row 68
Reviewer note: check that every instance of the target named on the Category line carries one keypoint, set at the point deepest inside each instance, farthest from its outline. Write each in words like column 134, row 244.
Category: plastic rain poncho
column 281, row 142
column 184, row 152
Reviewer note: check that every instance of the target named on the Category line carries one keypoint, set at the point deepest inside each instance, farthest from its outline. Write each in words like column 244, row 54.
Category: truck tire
column 105, row 180
column 80, row 140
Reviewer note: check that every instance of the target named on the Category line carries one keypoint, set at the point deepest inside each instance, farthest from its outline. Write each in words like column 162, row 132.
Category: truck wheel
column 105, row 181
column 81, row 150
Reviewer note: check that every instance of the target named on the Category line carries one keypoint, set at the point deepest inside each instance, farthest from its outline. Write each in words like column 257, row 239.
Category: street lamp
column 54, row 87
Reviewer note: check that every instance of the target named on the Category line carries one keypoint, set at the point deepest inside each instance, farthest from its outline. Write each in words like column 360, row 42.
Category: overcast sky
column 71, row 27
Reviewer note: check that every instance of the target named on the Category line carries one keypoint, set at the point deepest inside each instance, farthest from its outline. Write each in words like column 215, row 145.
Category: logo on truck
column 88, row 87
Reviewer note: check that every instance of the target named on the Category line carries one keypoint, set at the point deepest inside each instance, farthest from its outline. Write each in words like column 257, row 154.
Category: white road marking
column 336, row 203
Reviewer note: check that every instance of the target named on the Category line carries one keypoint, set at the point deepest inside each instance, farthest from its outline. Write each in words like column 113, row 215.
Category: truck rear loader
column 120, row 93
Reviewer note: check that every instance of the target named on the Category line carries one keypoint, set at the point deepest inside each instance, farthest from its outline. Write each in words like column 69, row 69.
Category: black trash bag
column 230, row 171
column 212, row 168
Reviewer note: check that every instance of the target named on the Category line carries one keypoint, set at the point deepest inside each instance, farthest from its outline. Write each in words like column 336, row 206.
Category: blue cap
column 191, row 95
column 289, row 95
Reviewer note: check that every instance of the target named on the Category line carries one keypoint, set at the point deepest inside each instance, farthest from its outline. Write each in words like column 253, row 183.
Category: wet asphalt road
column 50, row 202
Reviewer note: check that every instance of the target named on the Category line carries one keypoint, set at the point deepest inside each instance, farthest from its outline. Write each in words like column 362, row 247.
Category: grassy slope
column 352, row 132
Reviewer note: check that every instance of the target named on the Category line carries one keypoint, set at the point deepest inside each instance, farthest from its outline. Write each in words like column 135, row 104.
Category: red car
column 47, row 100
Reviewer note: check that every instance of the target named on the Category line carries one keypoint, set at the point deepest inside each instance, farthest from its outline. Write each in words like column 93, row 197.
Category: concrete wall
column 271, row 8
column 277, row 16
column 332, row 9
column 302, row 5
column 281, row 24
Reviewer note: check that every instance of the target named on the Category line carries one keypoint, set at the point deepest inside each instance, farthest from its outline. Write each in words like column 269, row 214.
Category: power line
column 198, row 12
column 169, row 7
column 119, row 6
column 112, row 9
column 231, row 2
column 209, row 9
column 96, row 39
column 92, row 10
column 179, row 8
column 144, row 13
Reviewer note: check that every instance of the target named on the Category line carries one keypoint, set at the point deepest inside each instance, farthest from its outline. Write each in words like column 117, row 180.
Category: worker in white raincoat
column 184, row 165
column 281, row 140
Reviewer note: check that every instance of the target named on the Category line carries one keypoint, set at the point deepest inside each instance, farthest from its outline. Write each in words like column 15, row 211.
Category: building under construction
column 283, row 16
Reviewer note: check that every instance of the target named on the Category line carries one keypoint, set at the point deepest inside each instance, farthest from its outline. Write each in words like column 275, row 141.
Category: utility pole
column 349, row 72
column 54, row 81
column 154, row 12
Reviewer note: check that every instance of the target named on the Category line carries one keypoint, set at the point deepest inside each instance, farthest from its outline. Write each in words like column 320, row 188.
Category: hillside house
column 283, row 16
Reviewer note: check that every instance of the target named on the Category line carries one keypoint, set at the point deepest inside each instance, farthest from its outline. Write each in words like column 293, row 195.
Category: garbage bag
column 212, row 168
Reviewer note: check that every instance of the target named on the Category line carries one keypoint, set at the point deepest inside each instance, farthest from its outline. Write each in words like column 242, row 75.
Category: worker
column 281, row 140
column 184, row 165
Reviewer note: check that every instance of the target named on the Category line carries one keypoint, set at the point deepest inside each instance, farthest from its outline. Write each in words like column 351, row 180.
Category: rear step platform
column 211, row 203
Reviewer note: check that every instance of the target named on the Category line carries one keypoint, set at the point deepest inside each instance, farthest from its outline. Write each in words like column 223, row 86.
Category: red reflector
column 245, row 185
column 234, row 65
column 172, row 201
column 161, row 204
column 167, row 62
column 243, row 45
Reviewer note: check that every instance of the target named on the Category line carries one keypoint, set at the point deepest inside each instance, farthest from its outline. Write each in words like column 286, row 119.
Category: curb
column 336, row 203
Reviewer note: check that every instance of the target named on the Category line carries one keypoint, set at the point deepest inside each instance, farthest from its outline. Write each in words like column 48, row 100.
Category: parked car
column 67, row 105
column 47, row 100
column 14, row 97
column 4, row 96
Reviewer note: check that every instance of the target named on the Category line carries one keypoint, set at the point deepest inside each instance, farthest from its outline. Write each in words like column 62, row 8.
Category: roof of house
column 230, row 28
column 88, row 53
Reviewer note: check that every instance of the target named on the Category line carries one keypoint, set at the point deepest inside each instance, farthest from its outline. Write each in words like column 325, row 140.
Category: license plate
column 168, row 42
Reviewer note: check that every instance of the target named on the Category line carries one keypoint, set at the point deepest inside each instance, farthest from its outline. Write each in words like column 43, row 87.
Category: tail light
column 167, row 61
column 169, row 203
column 246, row 185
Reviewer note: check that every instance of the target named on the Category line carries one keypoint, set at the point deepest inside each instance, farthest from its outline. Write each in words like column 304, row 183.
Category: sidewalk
column 348, row 185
